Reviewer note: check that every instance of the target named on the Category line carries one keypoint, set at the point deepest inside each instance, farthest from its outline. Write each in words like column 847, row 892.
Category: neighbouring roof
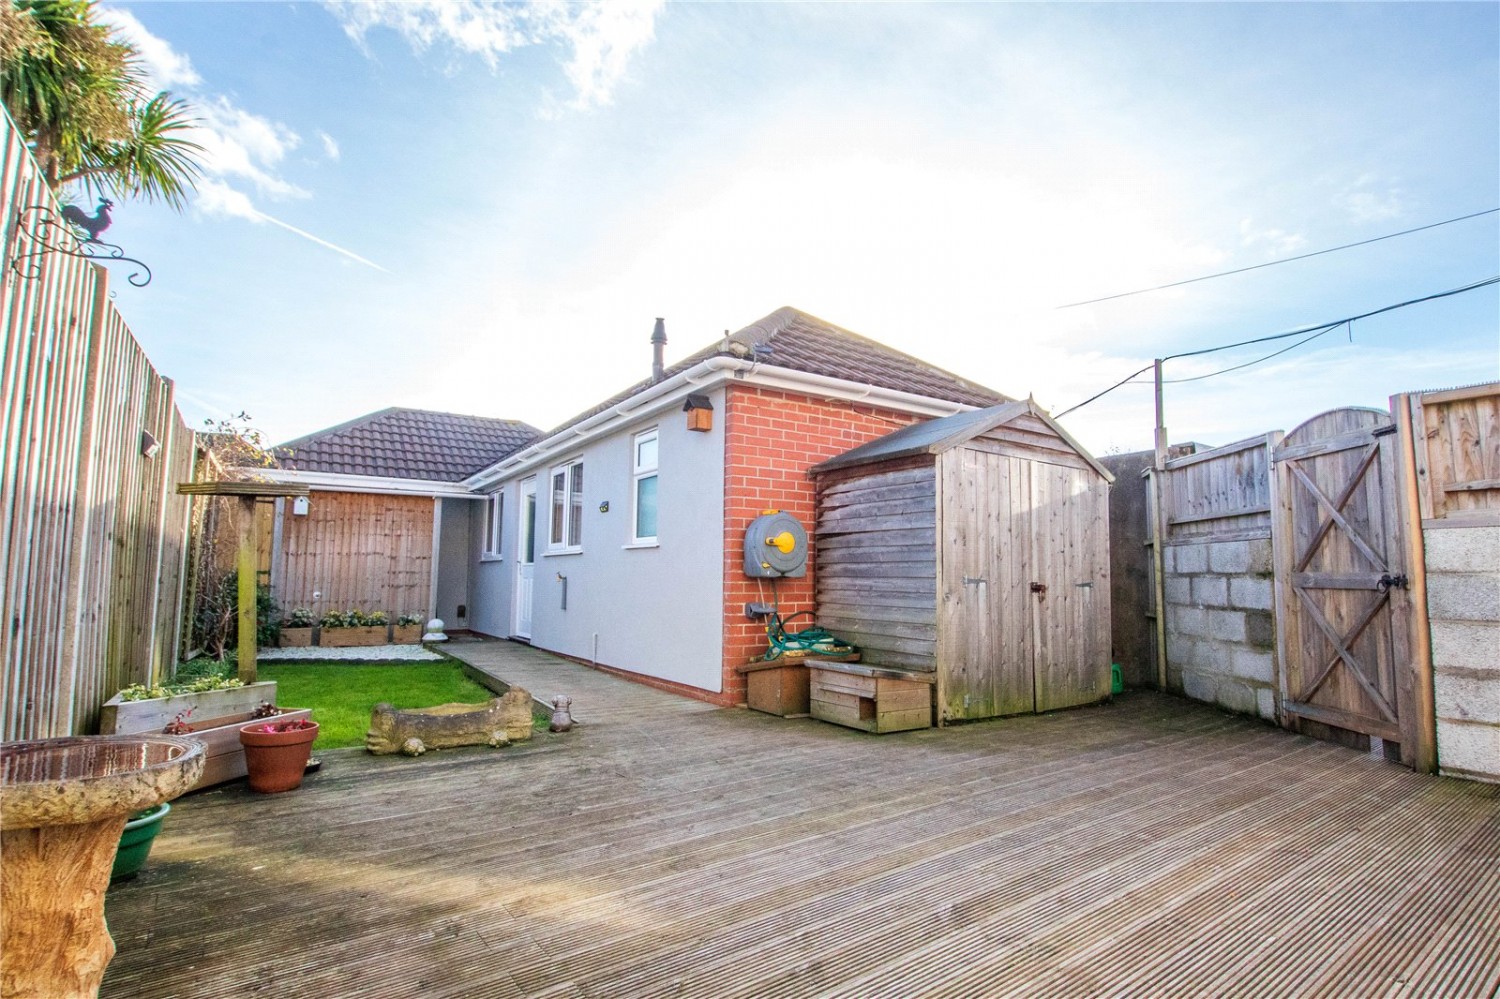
column 790, row 338
column 402, row 443
column 933, row 436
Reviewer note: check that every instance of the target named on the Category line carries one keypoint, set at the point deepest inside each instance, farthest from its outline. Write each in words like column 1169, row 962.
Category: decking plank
column 1152, row 846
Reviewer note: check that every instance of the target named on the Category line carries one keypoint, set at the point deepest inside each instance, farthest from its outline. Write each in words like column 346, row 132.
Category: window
column 494, row 513
column 566, row 532
column 644, row 470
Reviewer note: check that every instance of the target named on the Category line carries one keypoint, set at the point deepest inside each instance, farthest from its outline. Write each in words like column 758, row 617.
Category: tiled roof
column 790, row 338
column 407, row 444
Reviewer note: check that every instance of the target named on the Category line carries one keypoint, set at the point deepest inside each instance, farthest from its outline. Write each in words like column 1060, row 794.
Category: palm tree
column 79, row 96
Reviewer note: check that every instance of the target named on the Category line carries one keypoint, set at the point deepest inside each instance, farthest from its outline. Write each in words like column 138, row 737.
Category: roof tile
column 402, row 443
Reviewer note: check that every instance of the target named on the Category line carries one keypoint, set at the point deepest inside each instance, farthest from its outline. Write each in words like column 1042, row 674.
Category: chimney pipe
column 658, row 345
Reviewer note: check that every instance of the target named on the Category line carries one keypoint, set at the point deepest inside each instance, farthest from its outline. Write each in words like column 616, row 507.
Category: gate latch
column 1385, row 582
column 1039, row 588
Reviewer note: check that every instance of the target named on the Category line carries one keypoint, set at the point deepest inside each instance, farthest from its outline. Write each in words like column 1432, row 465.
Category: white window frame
column 570, row 540
column 494, row 527
column 638, row 474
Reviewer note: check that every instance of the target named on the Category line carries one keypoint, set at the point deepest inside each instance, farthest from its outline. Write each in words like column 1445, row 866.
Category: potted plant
column 297, row 630
column 135, row 841
column 276, row 753
column 408, row 630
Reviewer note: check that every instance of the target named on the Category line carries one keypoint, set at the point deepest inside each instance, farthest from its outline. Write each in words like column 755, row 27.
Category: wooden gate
column 1341, row 582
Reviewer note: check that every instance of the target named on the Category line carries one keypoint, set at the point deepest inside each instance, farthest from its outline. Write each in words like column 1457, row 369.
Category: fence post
column 1408, row 515
column 83, row 503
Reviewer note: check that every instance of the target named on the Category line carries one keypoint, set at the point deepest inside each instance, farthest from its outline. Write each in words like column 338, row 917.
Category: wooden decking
column 1152, row 847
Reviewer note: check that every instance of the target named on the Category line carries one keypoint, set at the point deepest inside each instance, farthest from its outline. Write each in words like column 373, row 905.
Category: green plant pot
column 135, row 842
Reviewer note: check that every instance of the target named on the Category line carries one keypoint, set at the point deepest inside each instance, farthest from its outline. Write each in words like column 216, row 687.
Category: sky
column 481, row 208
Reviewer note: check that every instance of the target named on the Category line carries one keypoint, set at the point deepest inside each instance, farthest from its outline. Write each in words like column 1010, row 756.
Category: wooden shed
column 973, row 549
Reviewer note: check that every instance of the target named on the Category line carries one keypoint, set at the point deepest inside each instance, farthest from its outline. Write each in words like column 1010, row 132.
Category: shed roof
column 791, row 338
column 403, row 443
column 935, row 436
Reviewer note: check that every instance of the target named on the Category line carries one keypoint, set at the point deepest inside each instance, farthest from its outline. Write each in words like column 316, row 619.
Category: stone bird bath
column 63, row 805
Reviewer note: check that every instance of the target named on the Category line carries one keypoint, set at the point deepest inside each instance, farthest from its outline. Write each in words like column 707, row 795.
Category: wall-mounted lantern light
column 700, row 413
column 149, row 444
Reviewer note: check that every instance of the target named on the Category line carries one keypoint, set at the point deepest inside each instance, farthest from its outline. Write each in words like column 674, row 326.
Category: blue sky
column 482, row 208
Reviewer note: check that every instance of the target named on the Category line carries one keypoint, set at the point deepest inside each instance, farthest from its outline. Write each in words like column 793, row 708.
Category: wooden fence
column 1223, row 494
column 361, row 551
column 92, row 534
column 1383, row 563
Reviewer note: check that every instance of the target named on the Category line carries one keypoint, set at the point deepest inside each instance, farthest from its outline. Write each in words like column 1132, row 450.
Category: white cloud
column 600, row 38
column 238, row 145
column 1279, row 242
column 165, row 66
column 1371, row 199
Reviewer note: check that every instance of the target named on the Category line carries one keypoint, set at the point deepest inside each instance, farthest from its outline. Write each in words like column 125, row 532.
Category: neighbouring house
column 387, row 524
column 618, row 538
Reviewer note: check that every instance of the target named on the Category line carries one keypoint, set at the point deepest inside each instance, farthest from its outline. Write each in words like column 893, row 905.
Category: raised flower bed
column 349, row 629
column 213, row 716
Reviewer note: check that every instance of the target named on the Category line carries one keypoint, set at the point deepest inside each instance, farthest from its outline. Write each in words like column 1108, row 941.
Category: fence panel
column 92, row 533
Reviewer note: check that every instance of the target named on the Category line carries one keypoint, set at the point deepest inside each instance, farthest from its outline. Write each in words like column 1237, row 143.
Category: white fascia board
column 335, row 482
column 709, row 374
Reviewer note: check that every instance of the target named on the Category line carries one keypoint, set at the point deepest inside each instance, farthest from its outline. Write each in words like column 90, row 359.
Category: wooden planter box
column 869, row 698
column 406, row 634
column 224, row 757
column 778, row 687
column 344, row 638
column 296, row 638
column 119, row 717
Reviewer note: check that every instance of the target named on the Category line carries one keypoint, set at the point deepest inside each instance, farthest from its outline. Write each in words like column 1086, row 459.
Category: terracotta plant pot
column 135, row 841
column 276, row 761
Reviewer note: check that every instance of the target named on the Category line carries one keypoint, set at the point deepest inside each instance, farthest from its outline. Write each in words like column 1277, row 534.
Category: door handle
column 1039, row 588
column 1387, row 581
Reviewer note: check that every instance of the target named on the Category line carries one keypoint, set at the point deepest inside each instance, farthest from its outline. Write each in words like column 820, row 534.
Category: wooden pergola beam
column 249, row 543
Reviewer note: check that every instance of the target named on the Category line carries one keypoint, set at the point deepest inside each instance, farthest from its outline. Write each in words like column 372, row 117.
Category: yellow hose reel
column 775, row 546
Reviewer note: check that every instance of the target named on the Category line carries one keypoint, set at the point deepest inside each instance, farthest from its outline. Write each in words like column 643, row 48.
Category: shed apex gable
column 936, row 436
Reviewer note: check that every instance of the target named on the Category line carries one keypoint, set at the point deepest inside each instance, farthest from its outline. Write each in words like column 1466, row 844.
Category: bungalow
column 387, row 524
column 617, row 539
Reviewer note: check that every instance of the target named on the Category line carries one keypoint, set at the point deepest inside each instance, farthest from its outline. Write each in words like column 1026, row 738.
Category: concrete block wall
column 1463, row 607
column 1221, row 636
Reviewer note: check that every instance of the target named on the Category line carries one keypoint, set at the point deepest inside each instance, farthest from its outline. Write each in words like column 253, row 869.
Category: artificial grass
column 342, row 695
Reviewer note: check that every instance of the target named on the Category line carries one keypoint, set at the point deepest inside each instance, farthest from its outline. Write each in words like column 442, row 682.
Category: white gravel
column 367, row 653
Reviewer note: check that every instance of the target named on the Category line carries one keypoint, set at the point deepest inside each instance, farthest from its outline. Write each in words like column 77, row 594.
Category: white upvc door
column 525, row 560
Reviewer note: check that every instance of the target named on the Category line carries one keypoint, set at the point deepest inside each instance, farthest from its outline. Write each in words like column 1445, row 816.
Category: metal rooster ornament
column 39, row 232
column 92, row 225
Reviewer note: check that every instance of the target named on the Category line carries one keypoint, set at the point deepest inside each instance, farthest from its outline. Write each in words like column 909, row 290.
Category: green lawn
column 342, row 695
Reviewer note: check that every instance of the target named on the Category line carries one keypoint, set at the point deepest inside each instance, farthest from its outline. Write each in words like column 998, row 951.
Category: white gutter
column 708, row 374
column 337, row 482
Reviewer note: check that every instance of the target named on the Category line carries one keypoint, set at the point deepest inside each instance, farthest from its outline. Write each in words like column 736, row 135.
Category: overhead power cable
column 1283, row 260
column 1316, row 331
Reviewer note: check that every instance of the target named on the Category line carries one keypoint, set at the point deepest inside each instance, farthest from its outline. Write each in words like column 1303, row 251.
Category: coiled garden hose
column 810, row 641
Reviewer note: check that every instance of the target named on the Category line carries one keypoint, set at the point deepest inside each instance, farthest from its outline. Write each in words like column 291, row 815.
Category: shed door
column 1070, row 614
column 1024, row 607
column 1340, row 579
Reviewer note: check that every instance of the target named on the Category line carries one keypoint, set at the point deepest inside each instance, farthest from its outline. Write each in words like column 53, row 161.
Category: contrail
column 321, row 242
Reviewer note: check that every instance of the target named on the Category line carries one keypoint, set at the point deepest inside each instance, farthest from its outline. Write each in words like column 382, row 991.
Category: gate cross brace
column 1335, row 511
column 1341, row 651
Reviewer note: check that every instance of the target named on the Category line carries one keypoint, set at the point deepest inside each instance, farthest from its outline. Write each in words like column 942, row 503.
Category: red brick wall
column 771, row 439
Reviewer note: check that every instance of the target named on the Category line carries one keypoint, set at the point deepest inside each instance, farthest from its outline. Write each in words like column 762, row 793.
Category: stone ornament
column 562, row 720
column 414, row 731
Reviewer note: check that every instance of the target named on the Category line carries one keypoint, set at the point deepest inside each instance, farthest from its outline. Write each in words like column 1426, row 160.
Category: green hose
column 811, row 641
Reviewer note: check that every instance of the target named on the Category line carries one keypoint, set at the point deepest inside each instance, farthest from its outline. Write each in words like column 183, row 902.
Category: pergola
column 249, row 494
